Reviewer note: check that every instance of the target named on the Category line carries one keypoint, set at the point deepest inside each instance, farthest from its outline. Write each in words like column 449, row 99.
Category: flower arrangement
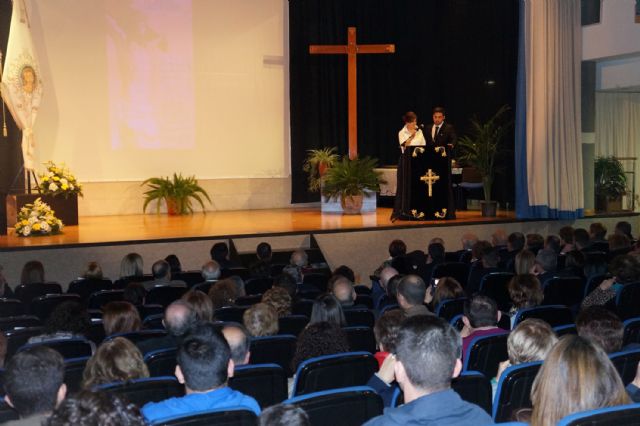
column 37, row 219
column 58, row 180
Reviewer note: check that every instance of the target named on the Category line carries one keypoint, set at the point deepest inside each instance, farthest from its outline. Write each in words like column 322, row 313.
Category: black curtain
column 10, row 149
column 461, row 54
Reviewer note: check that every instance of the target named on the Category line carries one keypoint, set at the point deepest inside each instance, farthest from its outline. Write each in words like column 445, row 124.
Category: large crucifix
column 429, row 179
column 352, row 49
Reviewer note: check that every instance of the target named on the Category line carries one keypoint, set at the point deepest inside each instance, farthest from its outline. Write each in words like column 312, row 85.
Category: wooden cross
column 352, row 49
column 429, row 179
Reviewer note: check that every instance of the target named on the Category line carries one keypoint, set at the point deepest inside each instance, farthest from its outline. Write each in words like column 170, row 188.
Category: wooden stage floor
column 104, row 230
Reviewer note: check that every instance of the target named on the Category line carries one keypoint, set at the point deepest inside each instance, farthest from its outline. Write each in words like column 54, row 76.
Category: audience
column 524, row 262
column 161, row 272
column 204, row 366
column 239, row 343
column 397, row 248
column 32, row 273
column 223, row 293
column 179, row 318
column 220, row 254
column 317, row 339
column 446, row 288
column 525, row 291
column 327, row 309
column 120, row 317
column 411, row 294
column 210, row 272
column 515, row 244
column 115, row 360
column 95, row 408
column 297, row 265
column 135, row 294
column 624, row 228
column 581, row 239
column 69, row 320
column 545, row 265
column 174, row 264
column 601, row 327
column 481, row 316
column 93, row 271
column 534, row 243
column 625, row 270
column 488, row 263
column 260, row 320
column 386, row 332
column 200, row 303
column 284, row 415
column 279, row 299
column 131, row 269
column 345, row 293
column 286, row 282
column 566, row 239
column 597, row 232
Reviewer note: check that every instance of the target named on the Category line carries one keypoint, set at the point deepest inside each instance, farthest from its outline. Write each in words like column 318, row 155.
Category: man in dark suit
column 441, row 133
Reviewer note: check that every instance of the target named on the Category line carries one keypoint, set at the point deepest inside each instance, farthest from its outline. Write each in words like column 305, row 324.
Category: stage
column 359, row 241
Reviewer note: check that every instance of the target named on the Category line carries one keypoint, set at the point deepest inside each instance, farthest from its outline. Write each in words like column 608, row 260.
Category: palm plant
column 317, row 163
column 482, row 148
column 178, row 193
column 348, row 178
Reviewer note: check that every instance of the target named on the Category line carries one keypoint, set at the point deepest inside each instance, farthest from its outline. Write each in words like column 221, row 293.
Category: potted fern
column 610, row 183
column 177, row 192
column 316, row 165
column 348, row 179
column 483, row 148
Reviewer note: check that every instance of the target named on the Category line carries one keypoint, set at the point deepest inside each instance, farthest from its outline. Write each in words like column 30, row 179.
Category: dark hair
column 160, row 269
column 602, row 327
column 436, row 251
column 574, row 259
column 490, row 256
column 535, row 242
column 287, row 282
column 581, row 237
column 134, row 293
column 327, row 308
column 345, row 271
column 397, row 248
column 203, row 357
column 219, row 252
column 223, row 293
column 595, row 265
column 566, row 234
column 387, row 328
column 95, row 408
column 413, row 289
column 618, row 242
column 32, row 379
column 284, row 415
column 482, row 311
column 32, row 272
column 321, row 338
column 409, row 116
column 264, row 251
column 438, row 109
column 392, row 285
column 120, row 317
column 174, row 263
column 625, row 268
column 428, row 348
column 516, row 240
column 260, row 269
column 624, row 228
column 200, row 303
column 552, row 242
column 68, row 316
column 93, row 271
column 598, row 230
column 547, row 259
column 525, row 291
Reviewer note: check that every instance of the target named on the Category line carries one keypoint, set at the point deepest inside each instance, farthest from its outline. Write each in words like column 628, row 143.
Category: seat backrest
column 191, row 278
column 361, row 339
column 359, row 317
column 274, row 350
column 17, row 322
column 236, row 416
column 334, row 371
column 257, row 285
column 627, row 305
column 249, row 300
column 149, row 309
column 449, row 308
column 565, row 329
column 631, row 331
column 100, row 298
column 514, row 390
column 292, row 324
column 18, row 338
column 626, row 362
column 161, row 362
column 363, row 299
column 316, row 279
column 138, row 336
column 43, row 306
column 27, row 292
column 141, row 391
column 457, row 270
column 11, row 308
column 495, row 286
column 485, row 353
column 266, row 383
column 240, row 271
column 348, row 406
column 474, row 387
column 73, row 371
column 230, row 313
column 68, row 348
column 7, row 413
column 302, row 307
column 568, row 291
column 153, row 322
column 164, row 295
column 622, row 415
column 86, row 287
column 554, row 315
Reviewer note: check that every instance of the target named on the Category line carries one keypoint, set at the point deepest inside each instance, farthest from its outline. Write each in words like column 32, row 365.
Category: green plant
column 484, row 146
column 317, row 163
column 610, row 178
column 349, row 178
column 177, row 193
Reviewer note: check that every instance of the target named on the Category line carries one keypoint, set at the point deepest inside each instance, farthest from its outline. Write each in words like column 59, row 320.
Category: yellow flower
column 56, row 178
column 45, row 178
column 36, row 227
column 64, row 186
column 24, row 222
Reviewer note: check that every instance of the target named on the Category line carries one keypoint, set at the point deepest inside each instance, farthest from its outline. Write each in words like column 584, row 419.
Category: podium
column 424, row 190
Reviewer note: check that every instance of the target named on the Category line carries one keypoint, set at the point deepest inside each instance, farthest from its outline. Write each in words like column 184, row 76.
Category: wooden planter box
column 66, row 209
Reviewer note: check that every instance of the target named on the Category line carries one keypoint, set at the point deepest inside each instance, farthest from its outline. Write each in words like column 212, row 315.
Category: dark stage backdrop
column 461, row 54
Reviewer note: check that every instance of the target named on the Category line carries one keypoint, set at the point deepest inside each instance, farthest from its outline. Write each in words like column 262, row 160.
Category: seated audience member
column 69, row 320
column 625, row 270
column 379, row 287
column 93, row 271
column 530, row 341
column 32, row 273
column 524, row 262
column 3, row 349
column 576, row 376
column 467, row 241
column 515, row 244
column 327, row 309
column 135, row 294
column 260, row 269
column 573, row 264
column 5, row 290
column 594, row 265
column 581, row 240
column 411, row 294
column 161, row 272
column 179, row 318
column 481, row 316
column 317, row 339
column 200, row 303
column 239, row 343
column 284, row 415
column 260, row 320
column 552, row 242
column 120, row 317
column 619, row 244
column 115, row 360
column 447, row 288
column 598, row 232
column 386, row 332
column 34, row 384
column 286, row 282
column 601, row 327
column 427, row 358
column 566, row 239
column 174, row 264
column 476, row 252
column 435, row 257
column 546, row 265
column 499, row 239
column 223, row 293
column 238, row 282
column 210, row 272
column 220, row 253
column 204, row 366
column 297, row 265
column 345, row 293
column 489, row 260
column 525, row 291
column 624, row 228
column 345, row 272
column 264, row 252
column 131, row 269
column 279, row 299
column 535, row 243
column 397, row 248
column 95, row 408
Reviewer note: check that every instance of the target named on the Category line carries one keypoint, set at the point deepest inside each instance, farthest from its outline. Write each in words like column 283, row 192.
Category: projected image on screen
column 150, row 74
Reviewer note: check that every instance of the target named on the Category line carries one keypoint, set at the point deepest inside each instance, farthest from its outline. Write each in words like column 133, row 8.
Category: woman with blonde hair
column 115, row 360
column 576, row 376
column 279, row 298
column 261, row 320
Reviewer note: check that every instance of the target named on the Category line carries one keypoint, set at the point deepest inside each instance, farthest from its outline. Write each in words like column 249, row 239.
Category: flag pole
column 4, row 114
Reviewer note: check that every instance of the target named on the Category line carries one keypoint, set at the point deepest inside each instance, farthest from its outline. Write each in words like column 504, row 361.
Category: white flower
column 50, row 174
column 26, row 231
column 64, row 181
column 44, row 226
column 71, row 187
column 33, row 220
column 53, row 187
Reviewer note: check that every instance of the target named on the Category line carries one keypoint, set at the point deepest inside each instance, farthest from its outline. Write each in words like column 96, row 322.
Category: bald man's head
column 238, row 339
column 179, row 317
column 386, row 274
column 344, row 292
